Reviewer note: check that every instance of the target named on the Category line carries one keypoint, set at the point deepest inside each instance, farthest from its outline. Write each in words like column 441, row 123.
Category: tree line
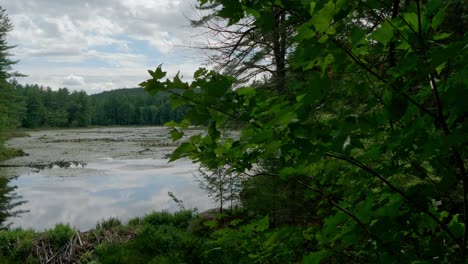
column 38, row 106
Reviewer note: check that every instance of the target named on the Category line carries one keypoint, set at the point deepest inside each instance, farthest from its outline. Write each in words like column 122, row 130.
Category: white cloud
column 109, row 44
column 96, row 80
column 73, row 80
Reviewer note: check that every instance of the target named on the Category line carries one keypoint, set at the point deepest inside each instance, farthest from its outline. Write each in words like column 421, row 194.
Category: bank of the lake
column 158, row 237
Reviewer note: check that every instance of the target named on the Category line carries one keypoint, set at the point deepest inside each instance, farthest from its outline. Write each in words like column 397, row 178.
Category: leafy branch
column 397, row 190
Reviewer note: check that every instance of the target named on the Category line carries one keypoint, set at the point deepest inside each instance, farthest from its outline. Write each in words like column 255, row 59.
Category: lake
column 82, row 176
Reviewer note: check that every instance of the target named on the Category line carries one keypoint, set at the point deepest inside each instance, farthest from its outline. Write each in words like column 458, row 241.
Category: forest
column 352, row 146
column 38, row 106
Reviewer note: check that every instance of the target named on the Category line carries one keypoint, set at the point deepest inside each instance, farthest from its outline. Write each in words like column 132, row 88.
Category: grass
column 9, row 153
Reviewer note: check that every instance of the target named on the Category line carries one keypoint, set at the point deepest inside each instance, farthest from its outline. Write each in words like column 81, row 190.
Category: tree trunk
column 279, row 50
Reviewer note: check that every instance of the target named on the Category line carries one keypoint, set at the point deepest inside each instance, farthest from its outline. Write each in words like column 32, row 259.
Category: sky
column 100, row 45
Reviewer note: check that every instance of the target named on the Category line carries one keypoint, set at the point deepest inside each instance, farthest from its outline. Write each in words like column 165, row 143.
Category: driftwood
column 78, row 245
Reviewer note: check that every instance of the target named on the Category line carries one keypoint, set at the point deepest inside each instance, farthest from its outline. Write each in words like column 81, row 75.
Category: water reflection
column 9, row 201
column 84, row 195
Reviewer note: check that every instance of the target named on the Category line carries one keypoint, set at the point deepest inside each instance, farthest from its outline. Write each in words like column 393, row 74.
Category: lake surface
column 82, row 176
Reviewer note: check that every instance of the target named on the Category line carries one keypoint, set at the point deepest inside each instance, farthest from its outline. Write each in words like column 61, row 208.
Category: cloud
column 100, row 79
column 73, row 80
column 108, row 43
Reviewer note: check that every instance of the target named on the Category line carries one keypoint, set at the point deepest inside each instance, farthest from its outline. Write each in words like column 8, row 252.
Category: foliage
column 179, row 219
column 16, row 246
column 162, row 239
column 45, row 107
column 109, row 223
column 8, row 201
column 221, row 185
column 370, row 127
column 8, row 153
column 132, row 107
column 254, row 242
column 60, row 235
column 11, row 106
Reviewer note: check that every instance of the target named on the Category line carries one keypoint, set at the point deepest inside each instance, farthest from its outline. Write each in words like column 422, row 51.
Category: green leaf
column 322, row 19
column 438, row 18
column 412, row 20
column 304, row 32
column 262, row 224
column 182, row 151
column 176, row 134
column 456, row 227
column 158, row 73
column 440, row 67
column 285, row 117
column 232, row 10
column 211, row 223
column 434, row 5
column 315, row 257
column 300, row 97
column 383, row 34
column 312, row 7
column 266, row 21
column 357, row 36
column 441, row 36
column 171, row 124
column 246, row 91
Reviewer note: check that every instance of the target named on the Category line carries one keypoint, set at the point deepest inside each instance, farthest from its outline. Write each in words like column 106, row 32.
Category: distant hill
column 123, row 91
column 132, row 106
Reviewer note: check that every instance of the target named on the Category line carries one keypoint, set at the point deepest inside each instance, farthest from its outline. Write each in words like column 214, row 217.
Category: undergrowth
column 163, row 237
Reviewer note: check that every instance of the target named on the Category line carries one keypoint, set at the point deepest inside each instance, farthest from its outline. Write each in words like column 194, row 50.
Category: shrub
column 162, row 239
column 60, row 235
column 179, row 219
column 154, row 244
column 120, row 253
column 16, row 246
column 135, row 221
column 109, row 223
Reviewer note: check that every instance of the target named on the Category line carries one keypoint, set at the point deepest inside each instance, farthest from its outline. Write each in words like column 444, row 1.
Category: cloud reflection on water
column 105, row 188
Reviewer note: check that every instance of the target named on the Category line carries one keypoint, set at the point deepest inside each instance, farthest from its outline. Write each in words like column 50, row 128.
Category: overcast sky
column 99, row 45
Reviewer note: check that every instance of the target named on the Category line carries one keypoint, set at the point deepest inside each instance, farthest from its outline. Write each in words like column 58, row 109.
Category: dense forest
column 43, row 107
column 352, row 144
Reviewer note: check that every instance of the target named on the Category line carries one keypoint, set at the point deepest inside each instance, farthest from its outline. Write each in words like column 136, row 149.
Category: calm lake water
column 113, row 172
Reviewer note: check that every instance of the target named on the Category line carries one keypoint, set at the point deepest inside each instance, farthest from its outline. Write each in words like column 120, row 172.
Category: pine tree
column 10, row 107
column 11, row 110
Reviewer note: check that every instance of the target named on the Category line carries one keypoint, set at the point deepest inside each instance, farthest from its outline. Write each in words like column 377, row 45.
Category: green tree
column 79, row 110
column 11, row 111
column 35, row 109
column 8, row 201
column 372, row 132
column 222, row 186
column 11, row 106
